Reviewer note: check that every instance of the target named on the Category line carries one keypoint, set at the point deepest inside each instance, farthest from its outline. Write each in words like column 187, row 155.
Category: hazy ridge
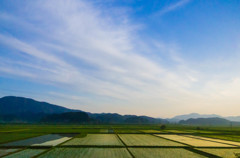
column 26, row 110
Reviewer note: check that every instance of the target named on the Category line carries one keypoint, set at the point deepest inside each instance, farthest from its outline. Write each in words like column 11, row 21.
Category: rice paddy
column 151, row 131
column 108, row 141
column 45, row 140
column 130, row 131
column 8, row 137
column 13, row 130
column 28, row 153
column 146, row 140
column 4, row 152
column 163, row 153
column 216, row 140
column 53, row 142
column 225, row 153
column 110, row 131
column 177, row 131
column 96, row 139
column 193, row 141
column 87, row 152
column 200, row 131
column 227, row 136
column 103, row 130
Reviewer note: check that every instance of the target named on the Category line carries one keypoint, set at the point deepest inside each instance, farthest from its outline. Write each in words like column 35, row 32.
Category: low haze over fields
column 155, row 58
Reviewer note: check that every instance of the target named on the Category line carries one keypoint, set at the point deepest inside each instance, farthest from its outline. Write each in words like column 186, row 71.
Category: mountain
column 215, row 121
column 191, row 115
column 137, row 120
column 144, row 120
column 114, row 118
column 11, row 105
column 21, row 117
column 26, row 110
column 108, row 118
column 66, row 118
column 233, row 118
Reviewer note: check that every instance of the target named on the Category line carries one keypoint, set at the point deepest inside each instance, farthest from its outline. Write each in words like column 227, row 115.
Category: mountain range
column 185, row 117
column 191, row 115
column 213, row 121
column 26, row 110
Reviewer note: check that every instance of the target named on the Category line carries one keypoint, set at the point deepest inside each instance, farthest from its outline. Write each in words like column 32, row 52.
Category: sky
column 157, row 58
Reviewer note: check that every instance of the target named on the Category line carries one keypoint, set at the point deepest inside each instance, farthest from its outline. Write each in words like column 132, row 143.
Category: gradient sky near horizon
column 156, row 58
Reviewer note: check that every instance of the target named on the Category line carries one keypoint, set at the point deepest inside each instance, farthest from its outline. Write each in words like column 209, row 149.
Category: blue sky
column 156, row 58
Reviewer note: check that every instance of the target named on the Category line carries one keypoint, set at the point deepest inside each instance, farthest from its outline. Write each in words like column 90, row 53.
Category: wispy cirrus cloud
column 172, row 7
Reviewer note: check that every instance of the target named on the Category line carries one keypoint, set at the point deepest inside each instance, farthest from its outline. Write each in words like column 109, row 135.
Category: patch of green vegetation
column 9, row 137
column 50, row 128
column 103, row 130
column 96, row 139
column 13, row 130
column 163, row 153
column 215, row 140
column 44, row 140
column 176, row 131
column 4, row 152
column 152, row 131
column 224, row 137
column 127, row 131
column 64, row 129
column 226, row 153
column 202, row 131
column 146, row 140
column 28, row 153
column 193, row 141
column 81, row 135
column 87, row 152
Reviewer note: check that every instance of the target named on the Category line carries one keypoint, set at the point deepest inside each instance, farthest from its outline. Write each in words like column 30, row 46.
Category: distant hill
column 108, row 118
column 11, row 105
column 137, row 120
column 114, row 118
column 191, row 115
column 26, row 110
column 215, row 121
column 144, row 120
column 21, row 117
column 178, row 118
column 233, row 118
column 67, row 118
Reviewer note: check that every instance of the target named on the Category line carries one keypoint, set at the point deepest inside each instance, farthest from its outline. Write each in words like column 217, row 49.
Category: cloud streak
column 173, row 7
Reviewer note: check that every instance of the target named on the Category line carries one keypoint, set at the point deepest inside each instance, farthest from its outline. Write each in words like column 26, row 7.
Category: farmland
column 216, row 140
column 96, row 139
column 45, row 140
column 152, row 131
column 146, row 140
column 26, row 153
column 4, row 152
column 117, row 141
column 228, row 153
column 194, row 142
column 163, row 153
column 87, row 152
column 8, row 137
